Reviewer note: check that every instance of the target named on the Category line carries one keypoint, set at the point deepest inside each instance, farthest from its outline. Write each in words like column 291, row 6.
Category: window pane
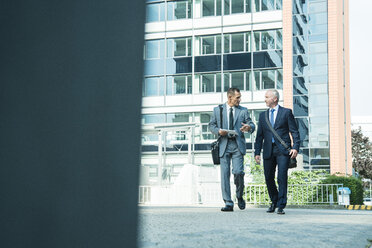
column 318, row 29
column 322, row 69
column 248, row 40
column 318, row 47
column 179, row 85
column 268, row 40
column 237, row 42
column 237, row 80
column 267, row 5
column 318, row 88
column 226, row 81
column 226, row 43
column 208, row 7
column 279, row 79
column 237, row 6
column 256, row 79
column 152, row 49
column 180, row 47
column 248, row 79
column 207, row 84
column 319, row 18
column 155, row 12
column 319, row 153
column 257, row 5
column 317, row 7
column 300, row 106
column 153, row 118
column 256, row 41
column 226, row 7
column 279, row 4
column 218, row 44
column 248, row 6
column 180, row 10
column 318, row 59
column 174, row 118
column 279, row 39
column 218, row 82
column 268, row 79
column 151, row 87
column 189, row 84
column 208, row 45
column 218, row 7
column 170, row 80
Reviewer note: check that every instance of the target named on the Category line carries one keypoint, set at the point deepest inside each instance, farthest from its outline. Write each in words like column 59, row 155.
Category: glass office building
column 196, row 49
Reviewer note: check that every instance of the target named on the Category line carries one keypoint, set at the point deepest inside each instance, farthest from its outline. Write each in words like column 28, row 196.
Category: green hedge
column 354, row 184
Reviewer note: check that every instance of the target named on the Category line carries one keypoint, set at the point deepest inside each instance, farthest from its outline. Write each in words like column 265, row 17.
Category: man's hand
column 293, row 153
column 245, row 127
column 222, row 132
column 258, row 159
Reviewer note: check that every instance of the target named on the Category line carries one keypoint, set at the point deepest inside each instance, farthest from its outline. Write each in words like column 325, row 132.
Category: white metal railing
column 297, row 194
column 210, row 193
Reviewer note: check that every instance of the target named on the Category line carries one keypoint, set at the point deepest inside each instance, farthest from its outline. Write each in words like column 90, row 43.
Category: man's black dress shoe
column 241, row 203
column 271, row 208
column 280, row 211
column 227, row 209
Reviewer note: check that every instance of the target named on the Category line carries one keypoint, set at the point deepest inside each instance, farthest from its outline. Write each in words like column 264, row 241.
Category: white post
column 160, row 156
column 189, row 137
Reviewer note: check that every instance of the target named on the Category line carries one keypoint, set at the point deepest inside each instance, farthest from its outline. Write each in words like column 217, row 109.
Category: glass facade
column 250, row 61
column 310, row 80
column 160, row 10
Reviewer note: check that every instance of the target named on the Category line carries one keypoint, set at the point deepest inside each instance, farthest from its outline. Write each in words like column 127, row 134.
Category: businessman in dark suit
column 274, row 153
column 232, row 147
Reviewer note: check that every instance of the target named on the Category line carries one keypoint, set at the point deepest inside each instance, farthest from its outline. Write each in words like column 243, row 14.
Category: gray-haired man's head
column 272, row 98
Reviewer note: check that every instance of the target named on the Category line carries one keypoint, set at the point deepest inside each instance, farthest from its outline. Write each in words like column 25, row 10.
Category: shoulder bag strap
column 275, row 133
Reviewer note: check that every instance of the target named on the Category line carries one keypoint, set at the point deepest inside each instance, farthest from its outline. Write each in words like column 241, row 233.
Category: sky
column 360, row 12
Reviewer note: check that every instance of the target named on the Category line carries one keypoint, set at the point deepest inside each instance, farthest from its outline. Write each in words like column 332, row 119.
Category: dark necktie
column 272, row 122
column 231, row 118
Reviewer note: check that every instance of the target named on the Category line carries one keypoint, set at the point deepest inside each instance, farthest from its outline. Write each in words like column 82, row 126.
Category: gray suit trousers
column 232, row 155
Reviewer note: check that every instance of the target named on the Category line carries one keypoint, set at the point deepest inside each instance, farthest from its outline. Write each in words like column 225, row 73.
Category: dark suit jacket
column 284, row 124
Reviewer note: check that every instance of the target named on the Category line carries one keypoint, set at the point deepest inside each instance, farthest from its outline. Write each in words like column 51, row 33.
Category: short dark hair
column 231, row 91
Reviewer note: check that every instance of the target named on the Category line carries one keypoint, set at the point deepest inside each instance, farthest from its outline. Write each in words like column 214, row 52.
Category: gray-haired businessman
column 232, row 147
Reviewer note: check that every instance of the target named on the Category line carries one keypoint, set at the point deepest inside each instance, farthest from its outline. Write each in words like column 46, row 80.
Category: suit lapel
column 278, row 117
column 224, row 117
column 237, row 112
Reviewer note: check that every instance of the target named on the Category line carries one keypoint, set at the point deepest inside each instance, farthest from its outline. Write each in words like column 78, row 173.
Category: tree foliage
column 362, row 153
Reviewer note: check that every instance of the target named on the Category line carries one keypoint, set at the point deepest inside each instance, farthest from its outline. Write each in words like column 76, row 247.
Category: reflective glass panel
column 268, row 40
column 317, row 7
column 189, row 84
column 319, row 18
column 303, row 128
column 278, row 4
column 152, row 49
column 218, row 82
column 153, row 118
column 208, row 7
column 268, row 79
column 257, row 5
column 318, row 78
column 318, row 88
column 248, row 79
column 320, row 47
column 178, row 117
column 305, row 155
column 248, row 42
column 299, row 45
column 248, row 6
column 317, row 29
column 155, row 12
column 151, row 86
column 257, row 80
column 180, row 47
column 226, row 43
column 226, row 81
column 319, row 153
column 237, row 80
column 237, row 6
column 268, row 5
column 207, row 84
column 237, row 42
column 256, row 41
column 227, row 7
column 208, row 45
column 279, row 79
column 299, row 86
column 318, row 59
column 279, row 39
column 321, row 69
column 300, row 105
column 318, row 37
column 180, row 10
column 179, row 85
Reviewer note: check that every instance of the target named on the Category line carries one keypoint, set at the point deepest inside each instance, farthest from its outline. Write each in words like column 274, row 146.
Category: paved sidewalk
column 172, row 227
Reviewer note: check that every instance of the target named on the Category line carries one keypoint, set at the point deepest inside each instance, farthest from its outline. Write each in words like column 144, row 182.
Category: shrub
column 354, row 184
